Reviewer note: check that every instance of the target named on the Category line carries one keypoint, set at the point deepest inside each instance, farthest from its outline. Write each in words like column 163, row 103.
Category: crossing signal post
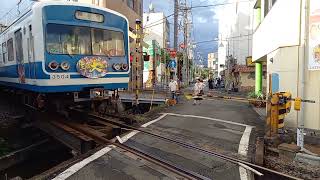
column 136, row 62
column 279, row 105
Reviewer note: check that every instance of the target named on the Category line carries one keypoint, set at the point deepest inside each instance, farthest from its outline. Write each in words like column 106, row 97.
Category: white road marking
column 244, row 142
column 243, row 150
column 119, row 139
column 158, row 119
column 76, row 167
column 211, row 119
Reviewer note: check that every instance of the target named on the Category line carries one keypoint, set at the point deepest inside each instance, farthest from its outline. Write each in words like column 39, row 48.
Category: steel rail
column 251, row 99
column 191, row 146
column 160, row 162
column 96, row 135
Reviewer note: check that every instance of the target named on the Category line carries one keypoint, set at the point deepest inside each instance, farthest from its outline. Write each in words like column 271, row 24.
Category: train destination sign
column 88, row 16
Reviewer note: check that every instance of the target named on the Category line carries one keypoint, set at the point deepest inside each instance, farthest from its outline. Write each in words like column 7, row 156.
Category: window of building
column 4, row 52
column 18, row 46
column 130, row 4
column 10, row 49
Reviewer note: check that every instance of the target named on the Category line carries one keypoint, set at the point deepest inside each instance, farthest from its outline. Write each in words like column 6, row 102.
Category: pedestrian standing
column 210, row 83
column 173, row 87
column 198, row 92
column 218, row 82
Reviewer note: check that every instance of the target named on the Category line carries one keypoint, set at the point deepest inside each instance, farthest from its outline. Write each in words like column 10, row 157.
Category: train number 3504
column 59, row 76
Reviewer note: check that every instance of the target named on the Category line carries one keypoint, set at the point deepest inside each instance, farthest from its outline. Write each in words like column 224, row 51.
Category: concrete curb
column 309, row 159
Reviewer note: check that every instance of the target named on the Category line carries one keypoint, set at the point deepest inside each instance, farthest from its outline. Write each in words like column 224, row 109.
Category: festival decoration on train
column 92, row 67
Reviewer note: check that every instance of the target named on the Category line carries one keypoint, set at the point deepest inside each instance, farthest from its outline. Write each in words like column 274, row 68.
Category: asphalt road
column 222, row 126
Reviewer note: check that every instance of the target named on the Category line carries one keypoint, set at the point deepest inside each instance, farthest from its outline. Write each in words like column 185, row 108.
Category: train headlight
column 53, row 65
column 116, row 67
column 125, row 67
column 65, row 66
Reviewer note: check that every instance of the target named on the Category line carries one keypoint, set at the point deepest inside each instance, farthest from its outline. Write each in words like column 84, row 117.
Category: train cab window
column 10, row 49
column 107, row 43
column 18, row 46
column 4, row 52
column 65, row 39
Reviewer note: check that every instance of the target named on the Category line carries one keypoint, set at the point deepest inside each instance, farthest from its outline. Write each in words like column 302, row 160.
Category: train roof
column 41, row 4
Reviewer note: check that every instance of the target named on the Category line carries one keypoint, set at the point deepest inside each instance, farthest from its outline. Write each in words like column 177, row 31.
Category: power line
column 227, row 39
column 219, row 4
column 212, row 5
column 160, row 20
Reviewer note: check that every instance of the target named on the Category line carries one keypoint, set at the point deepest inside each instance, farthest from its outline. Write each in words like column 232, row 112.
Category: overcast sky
column 205, row 20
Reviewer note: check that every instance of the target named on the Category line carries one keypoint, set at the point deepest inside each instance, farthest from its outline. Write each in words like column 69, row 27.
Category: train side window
column 4, row 52
column 18, row 46
column 1, row 60
column 31, row 42
column 10, row 49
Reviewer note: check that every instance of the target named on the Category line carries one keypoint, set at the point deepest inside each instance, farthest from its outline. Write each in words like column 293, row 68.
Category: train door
column 31, row 60
column 19, row 56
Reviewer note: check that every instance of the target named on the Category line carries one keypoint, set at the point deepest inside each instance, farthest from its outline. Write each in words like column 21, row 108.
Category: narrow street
column 160, row 89
column 222, row 126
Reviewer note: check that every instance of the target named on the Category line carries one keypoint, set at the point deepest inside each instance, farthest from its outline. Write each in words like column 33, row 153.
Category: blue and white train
column 64, row 47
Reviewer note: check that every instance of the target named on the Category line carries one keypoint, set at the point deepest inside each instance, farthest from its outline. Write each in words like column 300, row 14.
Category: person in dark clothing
column 210, row 82
column 218, row 82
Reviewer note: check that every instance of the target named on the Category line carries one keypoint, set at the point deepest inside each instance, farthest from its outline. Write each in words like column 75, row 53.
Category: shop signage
column 314, row 35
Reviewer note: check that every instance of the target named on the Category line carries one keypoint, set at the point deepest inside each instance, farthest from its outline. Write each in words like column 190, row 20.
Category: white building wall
column 241, row 36
column 235, row 32
column 280, row 39
column 288, row 74
column 280, row 28
column 156, row 28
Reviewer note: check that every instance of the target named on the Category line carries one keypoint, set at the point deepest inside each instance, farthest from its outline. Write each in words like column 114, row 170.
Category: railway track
column 94, row 132
column 256, row 169
column 89, row 131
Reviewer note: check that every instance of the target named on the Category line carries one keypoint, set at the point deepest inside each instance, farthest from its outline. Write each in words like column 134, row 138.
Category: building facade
column 213, row 64
column 156, row 27
column 287, row 37
column 235, row 33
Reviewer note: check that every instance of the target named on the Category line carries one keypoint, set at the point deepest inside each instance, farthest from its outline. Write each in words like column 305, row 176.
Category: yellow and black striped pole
column 137, row 60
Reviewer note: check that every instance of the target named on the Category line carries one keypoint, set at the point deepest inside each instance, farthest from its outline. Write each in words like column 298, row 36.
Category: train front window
column 106, row 42
column 63, row 39
column 72, row 40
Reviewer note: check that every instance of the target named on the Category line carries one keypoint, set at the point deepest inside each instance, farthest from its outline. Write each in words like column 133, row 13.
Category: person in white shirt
column 198, row 92
column 173, row 87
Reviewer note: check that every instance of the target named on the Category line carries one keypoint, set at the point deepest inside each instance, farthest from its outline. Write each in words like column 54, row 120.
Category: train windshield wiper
column 69, row 55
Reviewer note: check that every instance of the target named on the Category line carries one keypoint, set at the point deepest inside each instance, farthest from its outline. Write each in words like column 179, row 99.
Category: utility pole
column 176, row 15
column 186, row 23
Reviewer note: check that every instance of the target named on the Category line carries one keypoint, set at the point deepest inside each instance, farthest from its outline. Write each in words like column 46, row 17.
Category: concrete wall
column 312, row 111
column 285, row 63
column 248, row 82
